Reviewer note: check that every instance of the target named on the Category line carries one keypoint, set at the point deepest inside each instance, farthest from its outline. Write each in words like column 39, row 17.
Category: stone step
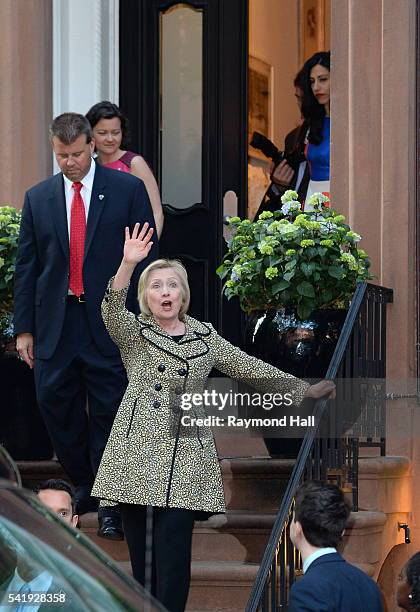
column 235, row 536
column 33, row 472
column 221, row 587
column 384, row 484
column 217, row 587
column 255, row 483
column 362, row 541
column 241, row 444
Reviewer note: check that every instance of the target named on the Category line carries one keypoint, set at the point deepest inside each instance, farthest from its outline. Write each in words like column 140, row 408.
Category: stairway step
column 255, row 483
column 217, row 587
column 243, row 443
column 235, row 536
column 34, row 472
column 385, row 484
column 362, row 541
column 117, row 550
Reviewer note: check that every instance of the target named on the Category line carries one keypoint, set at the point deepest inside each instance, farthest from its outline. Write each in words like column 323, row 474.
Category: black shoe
column 110, row 527
column 86, row 504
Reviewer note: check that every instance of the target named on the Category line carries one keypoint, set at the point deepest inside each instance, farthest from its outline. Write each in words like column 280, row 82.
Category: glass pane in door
column 181, row 95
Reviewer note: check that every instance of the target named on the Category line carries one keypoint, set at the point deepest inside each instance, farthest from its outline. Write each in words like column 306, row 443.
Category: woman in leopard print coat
column 151, row 459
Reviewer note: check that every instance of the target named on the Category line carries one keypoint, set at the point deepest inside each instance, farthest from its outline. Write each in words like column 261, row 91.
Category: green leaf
column 275, row 260
column 303, row 310
column 327, row 296
column 306, row 289
column 289, row 275
column 336, row 272
column 280, row 286
column 307, row 268
column 221, row 271
column 290, row 265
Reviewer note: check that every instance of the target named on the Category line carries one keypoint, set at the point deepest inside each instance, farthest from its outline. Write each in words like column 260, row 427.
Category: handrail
column 304, row 453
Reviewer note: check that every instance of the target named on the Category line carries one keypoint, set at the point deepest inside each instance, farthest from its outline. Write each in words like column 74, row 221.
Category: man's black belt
column 79, row 299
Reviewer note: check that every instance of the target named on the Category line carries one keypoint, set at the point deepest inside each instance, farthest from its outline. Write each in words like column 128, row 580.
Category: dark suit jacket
column 42, row 264
column 333, row 585
column 294, row 145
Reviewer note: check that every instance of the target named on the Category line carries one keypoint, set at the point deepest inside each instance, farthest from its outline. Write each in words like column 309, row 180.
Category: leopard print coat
column 150, row 459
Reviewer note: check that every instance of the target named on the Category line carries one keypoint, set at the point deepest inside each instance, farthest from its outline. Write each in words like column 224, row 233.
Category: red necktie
column 77, row 240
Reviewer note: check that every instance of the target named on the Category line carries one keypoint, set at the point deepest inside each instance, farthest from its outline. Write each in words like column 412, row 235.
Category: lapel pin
column 101, row 196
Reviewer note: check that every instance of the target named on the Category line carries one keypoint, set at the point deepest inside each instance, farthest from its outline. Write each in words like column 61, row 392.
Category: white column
column 85, row 54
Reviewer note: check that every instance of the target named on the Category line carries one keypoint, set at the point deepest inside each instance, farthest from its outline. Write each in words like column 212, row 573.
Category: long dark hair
column 312, row 110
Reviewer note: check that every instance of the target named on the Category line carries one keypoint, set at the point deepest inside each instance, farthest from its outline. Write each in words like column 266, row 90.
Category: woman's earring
column 410, row 596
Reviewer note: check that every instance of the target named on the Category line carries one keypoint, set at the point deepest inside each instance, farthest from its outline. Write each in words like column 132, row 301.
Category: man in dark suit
column 71, row 243
column 285, row 176
column 329, row 583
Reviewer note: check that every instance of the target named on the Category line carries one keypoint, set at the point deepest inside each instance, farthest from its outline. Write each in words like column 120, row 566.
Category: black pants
column 78, row 373
column 171, row 552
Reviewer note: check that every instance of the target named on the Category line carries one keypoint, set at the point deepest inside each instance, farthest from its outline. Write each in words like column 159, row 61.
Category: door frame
column 224, row 121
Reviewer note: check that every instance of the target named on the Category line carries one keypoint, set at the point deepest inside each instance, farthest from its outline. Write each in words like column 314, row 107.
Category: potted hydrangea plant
column 294, row 274
column 293, row 259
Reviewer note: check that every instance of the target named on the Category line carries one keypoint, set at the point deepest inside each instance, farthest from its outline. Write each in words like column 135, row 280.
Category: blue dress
column 318, row 157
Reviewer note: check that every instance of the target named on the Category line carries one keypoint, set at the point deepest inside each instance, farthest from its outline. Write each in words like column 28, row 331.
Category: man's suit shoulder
column 327, row 569
column 327, row 578
column 44, row 186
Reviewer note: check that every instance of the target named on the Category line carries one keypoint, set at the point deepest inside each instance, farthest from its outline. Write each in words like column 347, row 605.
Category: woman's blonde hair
column 163, row 264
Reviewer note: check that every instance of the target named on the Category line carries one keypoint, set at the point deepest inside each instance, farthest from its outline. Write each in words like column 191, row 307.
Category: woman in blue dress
column 316, row 111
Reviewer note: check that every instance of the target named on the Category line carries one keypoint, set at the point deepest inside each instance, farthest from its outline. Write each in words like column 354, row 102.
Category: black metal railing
column 360, row 354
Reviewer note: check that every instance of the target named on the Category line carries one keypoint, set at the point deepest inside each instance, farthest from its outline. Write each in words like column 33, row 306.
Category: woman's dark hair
column 300, row 79
column 312, row 110
column 108, row 110
column 412, row 571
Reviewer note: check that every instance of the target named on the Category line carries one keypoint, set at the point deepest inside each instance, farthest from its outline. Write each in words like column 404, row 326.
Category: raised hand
column 138, row 245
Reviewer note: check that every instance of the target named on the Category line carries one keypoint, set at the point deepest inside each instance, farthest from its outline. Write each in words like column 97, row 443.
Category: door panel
column 183, row 84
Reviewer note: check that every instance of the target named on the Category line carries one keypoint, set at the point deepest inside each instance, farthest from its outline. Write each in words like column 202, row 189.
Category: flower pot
column 22, row 430
column 301, row 348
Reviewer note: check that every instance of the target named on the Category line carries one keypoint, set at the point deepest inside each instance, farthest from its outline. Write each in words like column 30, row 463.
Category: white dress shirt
column 85, row 192
column 318, row 553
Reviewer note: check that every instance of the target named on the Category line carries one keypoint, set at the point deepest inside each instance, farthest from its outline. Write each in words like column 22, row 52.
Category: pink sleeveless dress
column 124, row 163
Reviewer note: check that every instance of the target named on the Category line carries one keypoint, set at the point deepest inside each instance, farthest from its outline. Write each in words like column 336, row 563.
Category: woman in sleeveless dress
column 316, row 111
column 110, row 131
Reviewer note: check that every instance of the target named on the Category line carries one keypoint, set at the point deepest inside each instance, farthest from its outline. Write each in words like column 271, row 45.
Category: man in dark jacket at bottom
column 329, row 583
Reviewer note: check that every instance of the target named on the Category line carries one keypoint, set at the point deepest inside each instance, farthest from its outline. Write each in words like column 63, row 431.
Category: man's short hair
column 57, row 484
column 323, row 511
column 69, row 126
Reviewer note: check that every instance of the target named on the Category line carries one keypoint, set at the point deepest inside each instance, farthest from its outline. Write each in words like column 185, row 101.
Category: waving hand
column 138, row 245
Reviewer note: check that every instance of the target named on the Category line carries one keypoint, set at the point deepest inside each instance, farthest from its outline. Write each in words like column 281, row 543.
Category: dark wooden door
column 183, row 84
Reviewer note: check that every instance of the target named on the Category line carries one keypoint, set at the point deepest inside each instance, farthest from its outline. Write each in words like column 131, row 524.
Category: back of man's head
column 69, row 126
column 322, row 511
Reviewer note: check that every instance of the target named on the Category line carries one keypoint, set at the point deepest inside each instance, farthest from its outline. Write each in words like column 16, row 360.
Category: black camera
column 263, row 144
